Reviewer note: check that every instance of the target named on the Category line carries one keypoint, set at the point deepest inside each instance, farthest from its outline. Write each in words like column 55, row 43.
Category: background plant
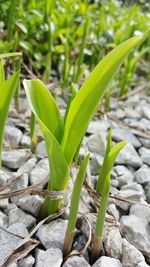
column 7, row 90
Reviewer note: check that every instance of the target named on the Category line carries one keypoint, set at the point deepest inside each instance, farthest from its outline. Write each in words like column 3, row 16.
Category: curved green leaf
column 86, row 101
column 44, row 106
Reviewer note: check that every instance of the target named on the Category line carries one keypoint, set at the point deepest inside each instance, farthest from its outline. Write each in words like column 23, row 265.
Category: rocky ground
column 127, row 228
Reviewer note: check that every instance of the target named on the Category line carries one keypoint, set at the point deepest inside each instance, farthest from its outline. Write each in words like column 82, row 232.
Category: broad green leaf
column 75, row 198
column 59, row 170
column 8, row 55
column 86, row 101
column 7, row 90
column 49, row 5
column 73, row 95
column 44, row 106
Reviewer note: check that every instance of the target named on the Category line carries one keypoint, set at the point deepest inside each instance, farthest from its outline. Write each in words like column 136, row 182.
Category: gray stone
column 145, row 142
column 20, row 183
column 50, row 258
column 12, row 135
column 129, row 156
column 3, row 220
column 26, row 262
column 85, row 227
column 98, row 126
column 113, row 245
column 132, row 191
column 18, row 229
column 137, row 231
column 131, row 256
column 95, row 163
column 15, row 158
column 40, row 172
column 16, row 215
column 147, row 192
column 4, row 202
column 122, row 175
column 142, row 175
column 107, row 261
column 142, row 264
column 75, row 261
column 26, row 141
column 53, row 234
column 146, row 111
column 31, row 204
column 97, row 143
column 8, row 243
column 41, row 149
column 142, row 211
column 4, row 177
column 27, row 166
column 145, row 123
column 145, row 155
column 132, row 113
column 113, row 210
column 126, row 135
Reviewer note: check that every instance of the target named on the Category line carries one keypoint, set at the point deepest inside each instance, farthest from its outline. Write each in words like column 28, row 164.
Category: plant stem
column 97, row 241
column 68, row 242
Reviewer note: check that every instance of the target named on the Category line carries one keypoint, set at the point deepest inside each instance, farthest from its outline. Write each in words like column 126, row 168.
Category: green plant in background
column 74, row 205
column 103, row 188
column 64, row 137
column 7, row 90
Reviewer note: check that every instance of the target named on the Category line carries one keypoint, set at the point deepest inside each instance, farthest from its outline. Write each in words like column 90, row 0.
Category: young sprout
column 75, row 199
column 63, row 137
column 102, row 188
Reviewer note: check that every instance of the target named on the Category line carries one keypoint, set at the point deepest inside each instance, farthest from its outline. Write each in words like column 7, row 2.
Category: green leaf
column 7, row 90
column 44, row 106
column 75, row 198
column 86, row 101
column 114, row 153
column 8, row 55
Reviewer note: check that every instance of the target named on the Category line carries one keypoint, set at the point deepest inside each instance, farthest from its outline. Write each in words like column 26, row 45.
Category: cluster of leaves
column 64, row 35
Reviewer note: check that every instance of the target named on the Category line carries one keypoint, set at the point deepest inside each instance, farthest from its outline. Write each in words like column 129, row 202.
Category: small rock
column 40, row 172
column 145, row 123
column 137, row 231
column 131, row 256
column 113, row 245
column 53, row 234
column 8, row 243
column 4, row 202
column 85, row 227
column 3, row 220
column 142, row 175
column 132, row 113
column 4, row 177
column 26, row 262
column 145, row 155
column 113, row 210
column 18, row 229
column 123, row 175
column 16, row 215
column 26, row 141
column 145, row 142
column 75, row 261
column 126, row 135
column 50, row 258
column 107, row 261
column 27, row 166
column 20, row 183
column 97, row 143
column 41, row 149
column 132, row 191
column 31, row 204
column 95, row 163
column 141, row 211
column 12, row 135
column 147, row 192
column 129, row 156
column 146, row 111
column 98, row 126
column 13, row 264
column 15, row 158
